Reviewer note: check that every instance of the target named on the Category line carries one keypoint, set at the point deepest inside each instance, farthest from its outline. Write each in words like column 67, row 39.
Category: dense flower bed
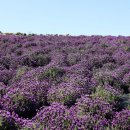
column 56, row 82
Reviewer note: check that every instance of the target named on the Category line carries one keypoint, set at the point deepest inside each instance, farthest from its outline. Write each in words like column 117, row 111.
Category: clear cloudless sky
column 74, row 17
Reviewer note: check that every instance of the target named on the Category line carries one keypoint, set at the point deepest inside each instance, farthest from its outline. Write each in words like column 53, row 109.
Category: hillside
column 57, row 82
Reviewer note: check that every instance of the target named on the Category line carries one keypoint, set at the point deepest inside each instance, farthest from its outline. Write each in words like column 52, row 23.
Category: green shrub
column 72, row 59
column 127, row 48
column 36, row 60
column 105, row 94
column 39, row 60
column 53, row 74
column 124, row 102
column 107, row 78
column 7, row 124
column 65, row 95
column 20, row 72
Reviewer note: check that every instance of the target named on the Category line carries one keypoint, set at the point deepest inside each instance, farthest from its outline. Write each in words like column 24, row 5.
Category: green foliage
column 20, row 100
column 18, row 52
column 72, row 59
column 20, row 72
column 53, row 74
column 35, row 60
column 104, row 45
column 39, row 60
column 7, row 125
column 65, row 95
column 106, row 77
column 104, row 94
column 127, row 48
column 24, row 106
column 124, row 101
column 89, row 105
column 19, row 33
column 2, row 92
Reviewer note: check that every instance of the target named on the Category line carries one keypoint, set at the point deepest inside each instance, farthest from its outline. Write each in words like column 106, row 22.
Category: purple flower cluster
column 65, row 94
column 56, row 82
column 89, row 105
column 25, row 97
column 9, row 121
column 121, row 120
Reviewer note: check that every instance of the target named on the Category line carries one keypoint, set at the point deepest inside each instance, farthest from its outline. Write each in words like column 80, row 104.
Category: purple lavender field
column 56, row 82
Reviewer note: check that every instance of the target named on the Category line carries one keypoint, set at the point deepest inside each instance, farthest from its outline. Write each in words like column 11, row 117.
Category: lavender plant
column 64, row 94
column 56, row 82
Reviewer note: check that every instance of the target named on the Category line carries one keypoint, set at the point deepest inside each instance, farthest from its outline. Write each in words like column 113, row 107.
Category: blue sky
column 74, row 17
